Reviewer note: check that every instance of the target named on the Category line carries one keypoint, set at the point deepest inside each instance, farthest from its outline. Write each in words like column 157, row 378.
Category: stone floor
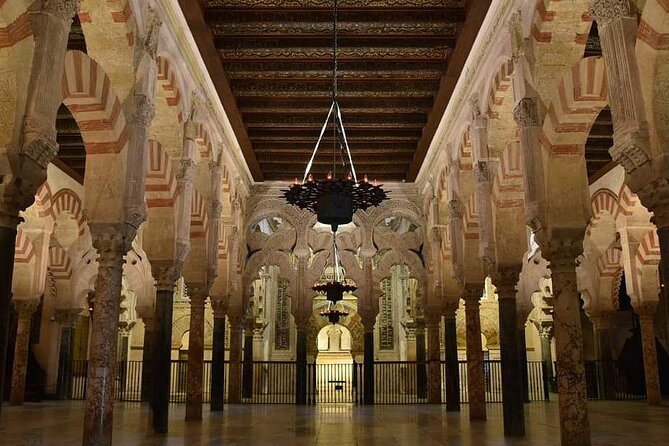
column 59, row 423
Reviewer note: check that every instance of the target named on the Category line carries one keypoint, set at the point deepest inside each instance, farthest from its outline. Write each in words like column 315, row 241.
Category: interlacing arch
column 161, row 183
column 508, row 185
column 199, row 222
column 648, row 252
column 25, row 250
column 66, row 200
column 60, row 264
column 169, row 82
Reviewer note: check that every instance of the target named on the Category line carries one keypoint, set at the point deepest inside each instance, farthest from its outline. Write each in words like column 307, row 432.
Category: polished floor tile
column 59, row 424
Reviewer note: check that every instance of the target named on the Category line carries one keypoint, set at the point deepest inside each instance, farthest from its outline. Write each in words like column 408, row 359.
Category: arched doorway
column 336, row 380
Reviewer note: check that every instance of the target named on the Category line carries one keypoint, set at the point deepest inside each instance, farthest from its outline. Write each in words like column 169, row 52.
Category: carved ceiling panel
column 275, row 58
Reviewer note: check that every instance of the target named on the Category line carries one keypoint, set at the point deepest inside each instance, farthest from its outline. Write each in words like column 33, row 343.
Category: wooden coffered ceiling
column 271, row 62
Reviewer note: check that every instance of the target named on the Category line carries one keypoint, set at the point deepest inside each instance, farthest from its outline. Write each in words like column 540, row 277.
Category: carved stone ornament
column 507, row 279
column 483, row 172
column 165, row 275
column 149, row 41
column 25, row 307
column 40, row 149
column 631, row 153
column 516, row 31
column 143, row 110
column 454, row 209
column 216, row 210
column 63, row 9
column 186, row 172
column 606, row 11
column 525, row 113
column 135, row 214
column 562, row 252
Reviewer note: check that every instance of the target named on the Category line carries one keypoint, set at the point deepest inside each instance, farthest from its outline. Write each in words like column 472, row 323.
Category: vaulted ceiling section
column 271, row 61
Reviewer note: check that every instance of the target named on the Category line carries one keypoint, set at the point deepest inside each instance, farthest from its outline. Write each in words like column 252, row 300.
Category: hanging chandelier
column 335, row 198
column 333, row 314
column 335, row 288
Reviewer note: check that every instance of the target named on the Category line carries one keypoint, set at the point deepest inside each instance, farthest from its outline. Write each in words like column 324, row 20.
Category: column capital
column 546, row 330
column 606, row 11
column 562, row 248
column 484, row 171
column 143, row 110
column 432, row 317
column 526, row 112
column 655, row 196
column 197, row 292
column 472, row 293
column 62, row 9
column 25, row 307
column 165, row 275
column 647, row 309
column 110, row 240
column 506, row 280
column 219, row 305
column 235, row 316
column 455, row 209
column 601, row 320
column 631, row 149
column 186, row 170
column 449, row 309
column 67, row 317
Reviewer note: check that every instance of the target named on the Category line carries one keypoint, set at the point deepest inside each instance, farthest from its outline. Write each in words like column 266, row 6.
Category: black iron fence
column 395, row 382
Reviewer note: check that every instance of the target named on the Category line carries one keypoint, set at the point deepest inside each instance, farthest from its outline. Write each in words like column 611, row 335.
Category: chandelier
column 335, row 198
column 333, row 314
column 334, row 288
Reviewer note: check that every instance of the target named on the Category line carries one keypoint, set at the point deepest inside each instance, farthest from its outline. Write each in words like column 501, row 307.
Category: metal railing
column 400, row 382
column 615, row 380
column 273, row 382
column 334, row 383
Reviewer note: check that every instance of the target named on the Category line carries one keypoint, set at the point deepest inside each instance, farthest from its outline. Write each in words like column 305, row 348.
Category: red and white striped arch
column 43, row 203
column 648, row 252
column 67, row 201
column 508, row 189
column 610, row 262
column 24, row 252
column 580, row 97
column 59, row 263
column 604, row 201
column 88, row 94
column 199, row 223
column 500, row 88
column 471, row 218
column 168, row 82
column 161, row 183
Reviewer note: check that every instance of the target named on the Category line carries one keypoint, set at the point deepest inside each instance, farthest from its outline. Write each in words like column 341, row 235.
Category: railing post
column 544, row 379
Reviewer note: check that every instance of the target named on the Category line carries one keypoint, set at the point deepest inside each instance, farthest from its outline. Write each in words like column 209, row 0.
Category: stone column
column 368, row 393
column 434, row 380
column 452, row 366
column 147, row 355
column 512, row 397
column 67, row 318
column 165, row 276
column 25, row 309
column 647, row 321
column 522, row 357
column 36, row 145
column 421, row 366
column 198, row 296
column 546, row 333
column 235, row 315
column 573, row 398
column 217, row 387
column 123, row 342
column 601, row 323
column 247, row 366
column 475, row 373
column 111, row 244
column 301, row 323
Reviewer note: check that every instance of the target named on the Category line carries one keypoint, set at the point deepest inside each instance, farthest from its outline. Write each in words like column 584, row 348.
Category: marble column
column 147, row 356
column 165, row 275
column 7, row 250
column 421, row 364
column 111, row 244
column 573, row 398
column 122, row 347
column 546, row 333
column 452, row 366
column 601, row 323
column 301, row 364
column 650, row 369
column 25, row 309
column 433, row 357
column 198, row 296
column 217, row 396
column 475, row 374
column 512, row 398
column 247, row 366
column 67, row 318
column 522, row 358
column 234, row 375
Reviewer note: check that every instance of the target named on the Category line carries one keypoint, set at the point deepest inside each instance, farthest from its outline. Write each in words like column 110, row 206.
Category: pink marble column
column 647, row 320
column 235, row 316
column 110, row 242
column 25, row 309
column 198, row 296
column 572, row 398
column 475, row 373
column 432, row 321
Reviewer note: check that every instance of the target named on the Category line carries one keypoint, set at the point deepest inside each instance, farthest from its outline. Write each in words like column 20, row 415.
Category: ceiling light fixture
column 334, row 199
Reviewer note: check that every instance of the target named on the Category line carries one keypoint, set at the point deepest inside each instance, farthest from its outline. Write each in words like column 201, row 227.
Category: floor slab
column 59, row 424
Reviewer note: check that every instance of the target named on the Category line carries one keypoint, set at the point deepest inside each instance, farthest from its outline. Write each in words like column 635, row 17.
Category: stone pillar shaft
column 522, row 362
column 98, row 414
column 147, row 357
column 573, row 401
column 162, row 342
column 603, row 355
column 650, row 368
column 67, row 333
column 247, row 366
column 434, row 361
column 234, row 375
column 368, row 366
column 198, row 295
column 512, row 396
column 547, row 356
column 452, row 369
column 475, row 374
column 217, row 364
column 7, row 250
column 301, row 364
column 25, row 309
column 421, row 366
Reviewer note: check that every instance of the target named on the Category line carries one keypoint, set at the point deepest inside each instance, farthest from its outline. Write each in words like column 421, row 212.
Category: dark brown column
column 434, row 380
column 475, row 373
column 198, row 296
column 234, row 375
column 217, row 395
column 452, row 366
